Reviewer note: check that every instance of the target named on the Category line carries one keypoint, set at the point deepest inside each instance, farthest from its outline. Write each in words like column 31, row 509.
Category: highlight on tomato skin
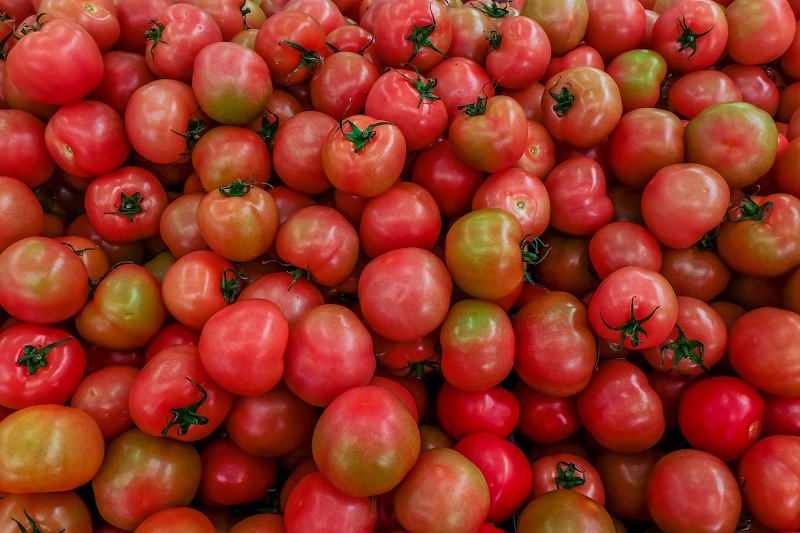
column 430, row 265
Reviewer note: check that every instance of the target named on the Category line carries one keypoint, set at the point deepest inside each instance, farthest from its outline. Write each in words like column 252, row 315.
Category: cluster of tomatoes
column 418, row 265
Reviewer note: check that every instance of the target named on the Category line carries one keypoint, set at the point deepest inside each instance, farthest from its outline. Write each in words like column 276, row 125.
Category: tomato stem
column 79, row 252
column 185, row 417
column 420, row 37
column 425, row 89
column 308, row 58
column 298, row 273
column 129, row 206
column 269, row 128
column 750, row 210
column 230, row 287
column 194, row 130
column 236, row 189
column 688, row 39
column 567, row 476
column 683, row 348
column 359, row 137
column 34, row 358
column 531, row 247
column 563, row 99
column 494, row 39
column 630, row 329
column 493, row 10
column 32, row 522
column 476, row 109
column 154, row 34
column 244, row 11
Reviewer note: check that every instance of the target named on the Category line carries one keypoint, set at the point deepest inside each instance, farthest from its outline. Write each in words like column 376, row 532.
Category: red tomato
column 519, row 52
column 298, row 148
column 565, row 471
column 565, row 510
column 227, row 153
column 291, row 43
column 615, row 26
column 545, row 419
column 104, row 396
column 21, row 214
column 340, row 86
column 183, row 518
column 447, row 177
column 315, row 504
column 415, row 32
column 231, row 476
column 578, row 201
column 698, row 38
column 770, row 24
column 521, row 193
column 698, row 90
column 625, row 477
column 461, row 413
column 123, row 73
column 620, row 244
column 46, row 511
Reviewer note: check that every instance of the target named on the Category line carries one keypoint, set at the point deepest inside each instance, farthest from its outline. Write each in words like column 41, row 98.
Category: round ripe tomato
column 68, row 443
column 231, row 476
column 87, row 138
column 684, row 201
column 198, row 285
column 103, row 394
column 57, row 62
column 565, row 471
column 761, row 350
column 227, row 153
column 756, row 86
column 320, row 240
column 408, row 100
column 21, row 214
column 625, row 478
column 564, row 510
column 238, row 221
column 581, row 106
column 272, row 424
column 620, row 409
column 123, row 73
column 294, row 296
column 695, row 91
column 142, row 475
column 460, row 82
column 51, row 281
column 164, row 121
column 634, row 308
column 760, row 236
column 556, row 350
column 291, row 43
column 490, row 134
column 695, row 345
column 423, row 500
column 620, row 244
column 545, row 419
column 567, row 266
column 695, row 272
column 759, row 32
column 93, row 257
column 45, row 512
column 704, row 482
column 519, row 52
column 721, row 415
column 447, row 177
column 339, row 87
column 126, row 310
column 404, row 293
column 126, row 205
column 690, row 35
column 477, row 344
column 416, row 32
column 638, row 74
column 356, row 459
column 519, row 192
column 615, row 26
column 42, row 365
column 364, row 156
column 482, row 252
column 769, row 472
column 315, row 504
column 580, row 56
column 242, row 345
column 99, row 18
column 23, row 141
column 329, row 351
column 134, row 18
column 298, row 148
column 461, row 413
column 179, row 518
column 781, row 415
column 578, row 201
column 539, row 156
column 736, row 139
column 505, row 468
column 260, row 523
column 174, row 396
column 564, row 22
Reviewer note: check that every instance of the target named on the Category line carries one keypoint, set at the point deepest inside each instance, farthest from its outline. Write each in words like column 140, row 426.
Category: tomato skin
column 564, row 510
column 564, row 22
column 315, row 504
column 227, row 153
column 625, row 477
column 260, row 523
column 767, row 23
column 448, row 178
column 708, row 24
column 231, row 476
column 578, row 201
column 621, row 244
column 21, row 214
column 705, row 483
column 298, row 148
column 103, row 394
column 52, row 511
column 29, row 380
column 183, row 518
column 545, row 419
column 68, row 443
column 123, row 73
column 461, row 413
column 617, row 397
column 142, row 475
column 555, row 348
column 404, row 293
column 294, row 296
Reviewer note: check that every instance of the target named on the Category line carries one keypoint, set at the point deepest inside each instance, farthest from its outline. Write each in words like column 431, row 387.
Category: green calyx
column 632, row 329
column 129, row 206
column 34, row 358
column 186, row 417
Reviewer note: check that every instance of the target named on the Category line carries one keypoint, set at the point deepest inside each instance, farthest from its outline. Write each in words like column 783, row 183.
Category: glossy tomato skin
column 294, row 296
column 51, row 511
column 21, row 214
column 297, row 151
column 625, row 477
column 69, row 443
column 123, row 73
column 104, row 394
column 564, row 510
column 520, row 192
column 461, row 413
column 578, row 201
column 701, row 26
column 231, row 476
column 315, row 504
column 227, row 153
column 621, row 244
column 545, row 419
column 781, row 415
column 43, row 365
column 566, row 471
column 620, row 409
column 142, row 475
column 707, row 484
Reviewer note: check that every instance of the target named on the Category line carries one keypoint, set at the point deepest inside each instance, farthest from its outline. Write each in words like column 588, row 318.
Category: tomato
column 21, row 214
column 43, row 365
column 555, row 348
column 294, row 296
column 123, row 73
column 298, row 151
column 52, row 281
column 704, row 482
column 695, row 272
column 758, row 236
column 615, row 26
column 442, row 475
column 404, row 293
column 291, row 43
column 460, row 413
column 315, row 504
column 620, row 244
column 767, row 23
column 45, row 512
column 69, row 443
column 231, row 476
column 760, row 350
column 567, row 266
column 126, row 205
column 416, row 32
column 564, row 510
column 134, row 17
column 690, row 35
column 625, row 477
column 543, row 418
column 581, row 106
column 57, row 63
column 126, row 310
column 577, row 192
column 238, row 221
column 564, row 22
column 460, row 82
column 721, row 415
column 142, row 475
column 228, row 153
column 695, row 91
column 260, row 523
column 184, row 518
column 620, row 409
column 242, row 345
column 638, row 74
column 103, row 394
column 519, row 52
column 329, row 351
column 174, row 396
column 340, row 86
column 448, row 178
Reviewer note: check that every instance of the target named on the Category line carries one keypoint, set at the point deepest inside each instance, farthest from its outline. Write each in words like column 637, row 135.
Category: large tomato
column 564, row 510
column 45, row 512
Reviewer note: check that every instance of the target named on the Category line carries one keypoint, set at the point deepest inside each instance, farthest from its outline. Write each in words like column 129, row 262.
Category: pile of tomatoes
column 421, row 265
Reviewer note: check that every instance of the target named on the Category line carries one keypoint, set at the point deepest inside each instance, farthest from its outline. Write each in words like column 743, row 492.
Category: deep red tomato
column 545, row 419
column 123, row 73
column 707, row 484
column 42, row 364
column 45, row 512
column 447, row 177
column 690, row 35
column 315, row 504
column 104, row 396
column 231, row 476
column 620, row 244
column 578, row 201
column 625, row 478
column 460, row 413
column 460, row 82
column 781, row 415
column 134, row 18
column 291, row 43
column 695, row 272
column 415, row 32
column 565, row 471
